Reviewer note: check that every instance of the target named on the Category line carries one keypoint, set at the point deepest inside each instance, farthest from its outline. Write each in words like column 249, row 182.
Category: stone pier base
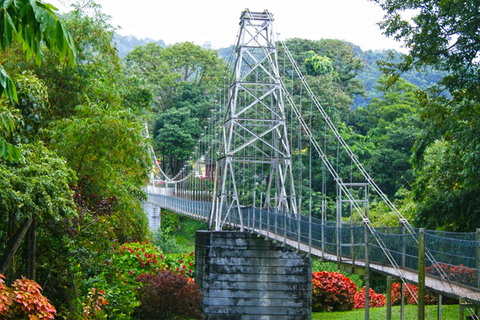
column 244, row 277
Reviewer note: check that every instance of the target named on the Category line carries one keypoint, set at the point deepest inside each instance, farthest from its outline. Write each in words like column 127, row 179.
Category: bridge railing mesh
column 457, row 254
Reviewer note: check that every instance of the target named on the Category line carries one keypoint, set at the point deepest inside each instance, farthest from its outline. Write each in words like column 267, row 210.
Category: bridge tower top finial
column 249, row 15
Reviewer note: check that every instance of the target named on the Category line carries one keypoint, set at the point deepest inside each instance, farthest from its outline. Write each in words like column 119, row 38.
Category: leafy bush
column 123, row 265
column 24, row 301
column 142, row 257
column 332, row 291
column 318, row 266
column 409, row 298
column 167, row 295
column 138, row 257
column 460, row 273
column 119, row 291
column 376, row 299
column 92, row 306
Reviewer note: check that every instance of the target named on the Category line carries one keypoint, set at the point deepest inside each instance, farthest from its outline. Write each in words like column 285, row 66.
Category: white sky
column 217, row 21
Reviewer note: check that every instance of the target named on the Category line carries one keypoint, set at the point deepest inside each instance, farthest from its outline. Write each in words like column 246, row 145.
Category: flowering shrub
column 92, row 307
column 137, row 258
column 332, row 291
column 24, row 300
column 409, row 298
column 376, row 299
column 123, row 265
column 463, row 275
column 167, row 295
column 460, row 273
column 118, row 289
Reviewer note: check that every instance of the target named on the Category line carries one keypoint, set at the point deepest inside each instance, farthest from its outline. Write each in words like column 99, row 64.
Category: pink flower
column 130, row 272
column 189, row 270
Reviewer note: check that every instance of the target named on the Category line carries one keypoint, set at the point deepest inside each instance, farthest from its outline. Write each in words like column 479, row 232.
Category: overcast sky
column 217, row 21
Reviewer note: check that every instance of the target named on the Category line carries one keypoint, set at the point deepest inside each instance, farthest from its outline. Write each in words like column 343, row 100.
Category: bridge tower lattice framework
column 254, row 127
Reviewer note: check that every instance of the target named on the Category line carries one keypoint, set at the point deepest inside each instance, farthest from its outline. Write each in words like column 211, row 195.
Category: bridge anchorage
column 256, row 190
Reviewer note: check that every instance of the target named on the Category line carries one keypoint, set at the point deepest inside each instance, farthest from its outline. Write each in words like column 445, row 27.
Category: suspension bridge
column 251, row 171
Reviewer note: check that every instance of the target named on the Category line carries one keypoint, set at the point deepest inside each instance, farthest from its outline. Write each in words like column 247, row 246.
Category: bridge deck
column 445, row 287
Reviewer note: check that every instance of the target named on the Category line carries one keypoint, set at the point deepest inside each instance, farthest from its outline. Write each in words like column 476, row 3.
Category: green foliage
column 166, row 70
column 138, row 257
column 177, row 233
column 175, row 135
column 8, row 118
column 32, row 102
column 442, row 34
column 92, row 306
column 28, row 23
column 167, row 295
column 332, row 291
column 40, row 187
column 316, row 65
column 119, row 292
column 107, row 149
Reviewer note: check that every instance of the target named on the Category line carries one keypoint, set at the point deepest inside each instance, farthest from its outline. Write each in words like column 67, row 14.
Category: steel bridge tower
column 254, row 129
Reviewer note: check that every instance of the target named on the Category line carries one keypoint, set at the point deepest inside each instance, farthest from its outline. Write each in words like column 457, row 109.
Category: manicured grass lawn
column 449, row 312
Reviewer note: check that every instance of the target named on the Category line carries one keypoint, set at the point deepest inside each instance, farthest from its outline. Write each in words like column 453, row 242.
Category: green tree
column 345, row 64
column 316, row 65
column 176, row 133
column 392, row 125
column 166, row 70
column 443, row 34
column 34, row 193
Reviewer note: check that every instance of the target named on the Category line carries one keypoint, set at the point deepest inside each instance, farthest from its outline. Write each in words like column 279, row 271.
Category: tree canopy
column 445, row 35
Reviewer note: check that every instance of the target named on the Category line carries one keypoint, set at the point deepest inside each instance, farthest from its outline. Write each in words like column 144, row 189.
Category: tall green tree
column 445, row 35
column 391, row 124
column 176, row 133
column 166, row 70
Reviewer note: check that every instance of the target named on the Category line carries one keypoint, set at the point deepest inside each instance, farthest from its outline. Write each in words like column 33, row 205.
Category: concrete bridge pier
column 245, row 277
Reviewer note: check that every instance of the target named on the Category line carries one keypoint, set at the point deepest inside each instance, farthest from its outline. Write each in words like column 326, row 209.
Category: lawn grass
column 449, row 312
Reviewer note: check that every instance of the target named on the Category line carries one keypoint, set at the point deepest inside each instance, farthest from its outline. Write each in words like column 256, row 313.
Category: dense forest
column 74, row 160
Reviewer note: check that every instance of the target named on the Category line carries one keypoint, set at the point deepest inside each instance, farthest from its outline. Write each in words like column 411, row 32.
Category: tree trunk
column 31, row 250
column 13, row 245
